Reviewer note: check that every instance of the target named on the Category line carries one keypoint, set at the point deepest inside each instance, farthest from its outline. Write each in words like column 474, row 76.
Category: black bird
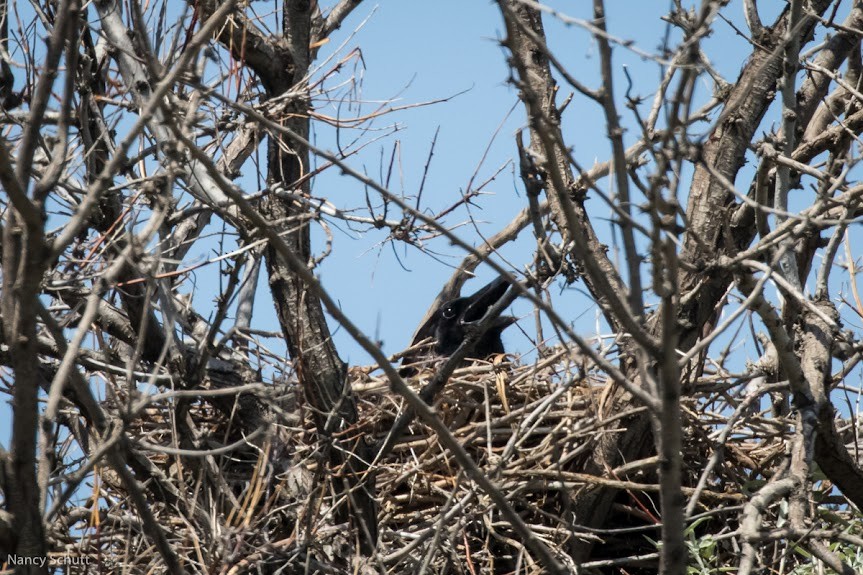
column 451, row 322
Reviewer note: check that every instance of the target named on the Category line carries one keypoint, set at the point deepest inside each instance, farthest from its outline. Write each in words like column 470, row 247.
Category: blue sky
column 426, row 51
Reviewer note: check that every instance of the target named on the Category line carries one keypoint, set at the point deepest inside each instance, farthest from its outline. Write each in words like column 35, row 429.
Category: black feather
column 449, row 326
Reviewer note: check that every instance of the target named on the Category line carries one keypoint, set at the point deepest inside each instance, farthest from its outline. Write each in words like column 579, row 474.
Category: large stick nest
column 271, row 503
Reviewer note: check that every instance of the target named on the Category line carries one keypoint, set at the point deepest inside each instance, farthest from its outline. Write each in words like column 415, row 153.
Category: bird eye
column 448, row 313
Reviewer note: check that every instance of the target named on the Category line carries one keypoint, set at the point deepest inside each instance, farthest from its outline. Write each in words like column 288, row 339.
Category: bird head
column 451, row 323
column 454, row 319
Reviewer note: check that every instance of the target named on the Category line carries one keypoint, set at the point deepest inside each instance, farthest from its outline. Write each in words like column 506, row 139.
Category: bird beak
column 502, row 322
column 480, row 302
